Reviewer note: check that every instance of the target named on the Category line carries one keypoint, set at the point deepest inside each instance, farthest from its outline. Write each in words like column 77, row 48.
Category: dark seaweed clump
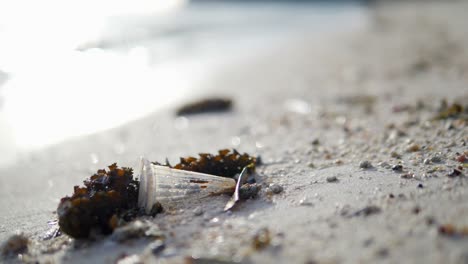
column 107, row 197
column 226, row 164
column 453, row 111
column 205, row 106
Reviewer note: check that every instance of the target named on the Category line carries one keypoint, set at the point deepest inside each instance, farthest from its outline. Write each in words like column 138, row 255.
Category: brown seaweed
column 226, row 164
column 106, row 197
column 206, row 106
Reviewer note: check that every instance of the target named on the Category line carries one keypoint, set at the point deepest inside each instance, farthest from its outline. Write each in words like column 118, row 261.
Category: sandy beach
column 331, row 118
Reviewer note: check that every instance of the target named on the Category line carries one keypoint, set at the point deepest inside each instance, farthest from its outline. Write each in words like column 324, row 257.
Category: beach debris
column 452, row 231
column 365, row 164
column 261, row 239
column 16, row 244
column 112, row 197
column 53, row 232
column 236, row 195
column 107, row 197
column 226, row 163
column 205, row 106
column 197, row 178
column 171, row 187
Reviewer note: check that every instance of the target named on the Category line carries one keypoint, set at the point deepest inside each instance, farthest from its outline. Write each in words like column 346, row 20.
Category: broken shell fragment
column 171, row 187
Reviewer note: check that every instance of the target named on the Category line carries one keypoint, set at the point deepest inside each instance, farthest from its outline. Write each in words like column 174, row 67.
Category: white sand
column 412, row 52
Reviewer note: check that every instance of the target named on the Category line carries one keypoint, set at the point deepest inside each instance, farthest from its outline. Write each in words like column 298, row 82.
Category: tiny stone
column 397, row 168
column 315, row 142
column 454, row 173
column 365, row 164
column 383, row 252
column 436, row 159
column 248, row 191
column 368, row 210
column 275, row 188
column 420, row 185
column 427, row 161
column 198, row 211
column 395, row 155
column 413, row 148
column 305, row 202
column 384, row 164
column 407, row 175
column 311, row 165
column 156, row 209
column 332, row 179
column 157, row 247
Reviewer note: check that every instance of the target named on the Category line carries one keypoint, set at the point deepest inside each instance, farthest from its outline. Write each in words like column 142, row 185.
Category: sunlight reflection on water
column 57, row 90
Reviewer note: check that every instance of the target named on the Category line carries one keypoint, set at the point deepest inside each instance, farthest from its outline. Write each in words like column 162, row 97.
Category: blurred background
column 71, row 68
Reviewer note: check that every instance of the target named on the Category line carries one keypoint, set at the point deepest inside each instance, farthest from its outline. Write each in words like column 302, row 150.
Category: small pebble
column 332, row 179
column 454, row 173
column 413, row 148
column 436, row 159
column 198, row 211
column 156, row 209
column 397, row 168
column 427, row 161
column 395, row 155
column 157, row 247
column 407, row 175
column 365, row 164
column 384, row 164
column 420, row 186
column 368, row 210
column 305, row 202
column 275, row 188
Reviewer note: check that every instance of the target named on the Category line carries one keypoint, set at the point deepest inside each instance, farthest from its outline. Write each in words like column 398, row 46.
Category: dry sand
column 313, row 112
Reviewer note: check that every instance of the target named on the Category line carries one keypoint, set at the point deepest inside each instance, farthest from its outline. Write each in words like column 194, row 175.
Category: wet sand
column 314, row 110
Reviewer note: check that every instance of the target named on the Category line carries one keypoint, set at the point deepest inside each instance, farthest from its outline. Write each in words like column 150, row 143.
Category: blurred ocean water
column 67, row 68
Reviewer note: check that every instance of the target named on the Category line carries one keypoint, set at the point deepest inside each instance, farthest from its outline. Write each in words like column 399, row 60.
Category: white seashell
column 172, row 187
